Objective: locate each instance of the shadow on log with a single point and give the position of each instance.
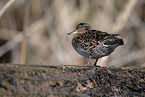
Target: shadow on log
(71, 80)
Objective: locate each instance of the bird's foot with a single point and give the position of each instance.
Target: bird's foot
(88, 63)
(95, 64)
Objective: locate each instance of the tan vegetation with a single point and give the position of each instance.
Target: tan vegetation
(35, 31)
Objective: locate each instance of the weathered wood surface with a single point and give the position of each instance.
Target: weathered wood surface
(70, 80)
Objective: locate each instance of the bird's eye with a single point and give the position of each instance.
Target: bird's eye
(80, 26)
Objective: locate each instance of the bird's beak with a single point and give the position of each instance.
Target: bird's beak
(73, 32)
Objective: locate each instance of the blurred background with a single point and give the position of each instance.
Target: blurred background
(35, 31)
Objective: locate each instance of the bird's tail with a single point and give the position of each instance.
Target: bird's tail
(121, 42)
(115, 34)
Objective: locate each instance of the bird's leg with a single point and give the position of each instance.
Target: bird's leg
(89, 60)
(95, 64)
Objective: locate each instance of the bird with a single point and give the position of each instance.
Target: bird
(92, 43)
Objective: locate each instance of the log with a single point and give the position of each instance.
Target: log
(70, 80)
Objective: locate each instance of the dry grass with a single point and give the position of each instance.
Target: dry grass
(38, 29)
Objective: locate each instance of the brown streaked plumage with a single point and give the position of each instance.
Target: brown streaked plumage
(94, 43)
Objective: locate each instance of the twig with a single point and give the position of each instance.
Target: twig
(136, 55)
(26, 22)
(35, 27)
(124, 15)
(6, 6)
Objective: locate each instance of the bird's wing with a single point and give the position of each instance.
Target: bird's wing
(97, 35)
(115, 34)
(111, 40)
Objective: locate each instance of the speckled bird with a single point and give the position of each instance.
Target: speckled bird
(94, 44)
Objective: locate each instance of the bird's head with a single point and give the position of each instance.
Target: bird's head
(81, 28)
